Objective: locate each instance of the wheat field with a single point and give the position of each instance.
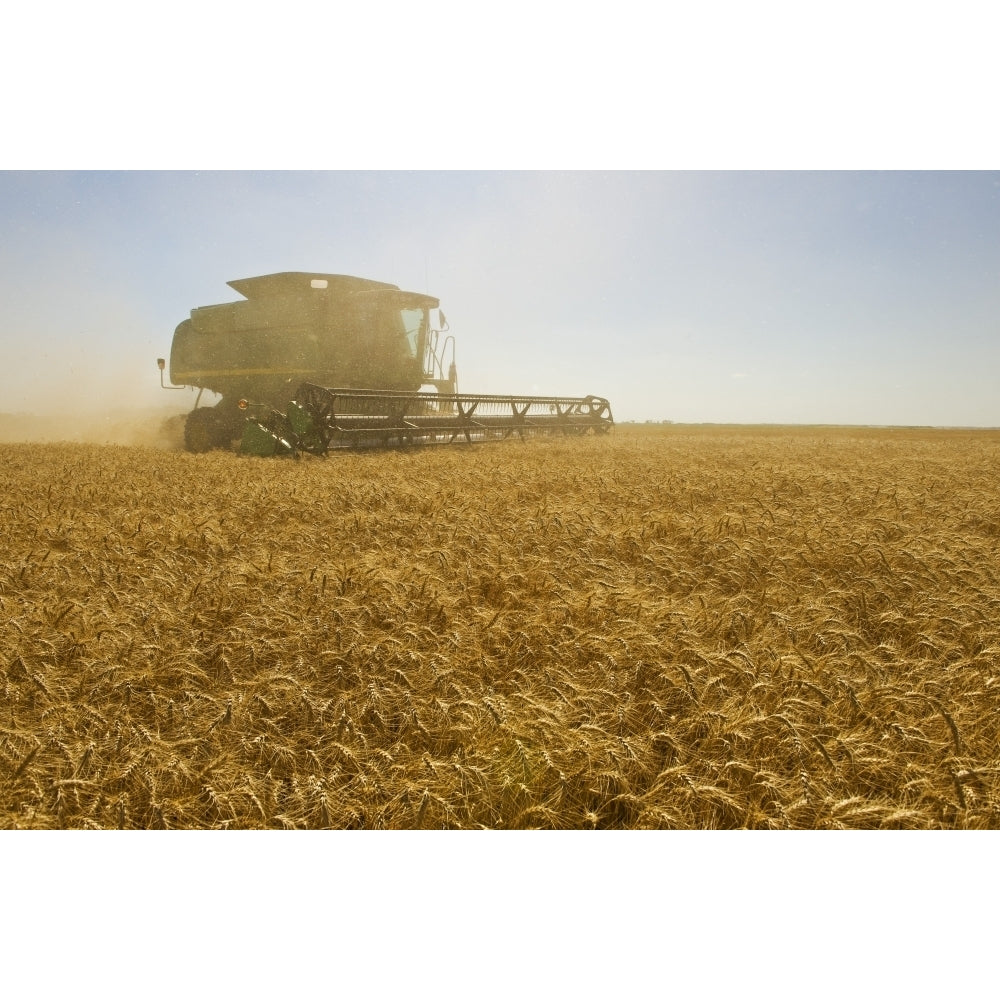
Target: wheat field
(668, 627)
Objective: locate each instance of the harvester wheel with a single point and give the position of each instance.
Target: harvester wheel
(203, 430)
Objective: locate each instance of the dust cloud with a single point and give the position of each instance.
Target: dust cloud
(153, 428)
(94, 397)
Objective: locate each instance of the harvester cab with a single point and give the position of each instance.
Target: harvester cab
(386, 352)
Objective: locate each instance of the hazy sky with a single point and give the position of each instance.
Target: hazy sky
(832, 297)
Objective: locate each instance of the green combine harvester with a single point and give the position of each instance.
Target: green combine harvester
(273, 358)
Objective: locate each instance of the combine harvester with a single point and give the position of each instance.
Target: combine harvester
(272, 358)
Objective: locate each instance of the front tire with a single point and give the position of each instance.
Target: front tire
(203, 431)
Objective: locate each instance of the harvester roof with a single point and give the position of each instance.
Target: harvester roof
(290, 282)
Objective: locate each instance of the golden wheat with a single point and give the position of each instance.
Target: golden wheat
(669, 627)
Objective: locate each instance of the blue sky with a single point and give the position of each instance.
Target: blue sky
(733, 296)
(778, 259)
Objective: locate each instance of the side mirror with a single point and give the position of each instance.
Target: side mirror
(161, 363)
